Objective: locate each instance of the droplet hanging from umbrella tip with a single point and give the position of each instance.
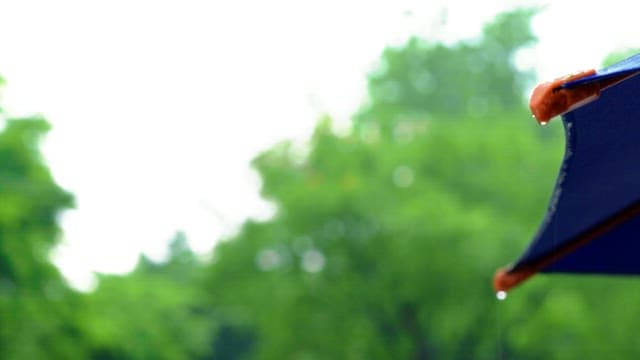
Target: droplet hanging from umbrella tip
(501, 295)
(543, 123)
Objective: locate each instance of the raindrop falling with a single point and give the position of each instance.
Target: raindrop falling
(501, 295)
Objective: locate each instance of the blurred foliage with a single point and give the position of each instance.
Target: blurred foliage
(155, 312)
(383, 245)
(471, 78)
(36, 307)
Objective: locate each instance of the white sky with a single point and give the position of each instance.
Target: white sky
(158, 106)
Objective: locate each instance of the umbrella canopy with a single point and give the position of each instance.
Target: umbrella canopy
(592, 224)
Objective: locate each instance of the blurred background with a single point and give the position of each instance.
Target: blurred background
(199, 180)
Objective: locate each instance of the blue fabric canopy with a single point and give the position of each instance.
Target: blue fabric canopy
(592, 223)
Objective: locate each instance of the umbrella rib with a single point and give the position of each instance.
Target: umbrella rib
(507, 278)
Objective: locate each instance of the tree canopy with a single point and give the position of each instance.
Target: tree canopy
(36, 306)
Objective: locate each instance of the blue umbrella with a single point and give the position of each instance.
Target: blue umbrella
(592, 224)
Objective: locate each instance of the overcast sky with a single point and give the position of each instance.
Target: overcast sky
(158, 106)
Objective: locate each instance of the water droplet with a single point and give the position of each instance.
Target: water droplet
(543, 123)
(501, 295)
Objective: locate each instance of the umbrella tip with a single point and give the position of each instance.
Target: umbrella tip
(506, 279)
(550, 99)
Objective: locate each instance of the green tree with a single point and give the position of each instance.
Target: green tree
(385, 247)
(36, 306)
(155, 312)
(468, 78)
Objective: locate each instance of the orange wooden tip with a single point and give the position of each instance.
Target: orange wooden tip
(505, 280)
(550, 99)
